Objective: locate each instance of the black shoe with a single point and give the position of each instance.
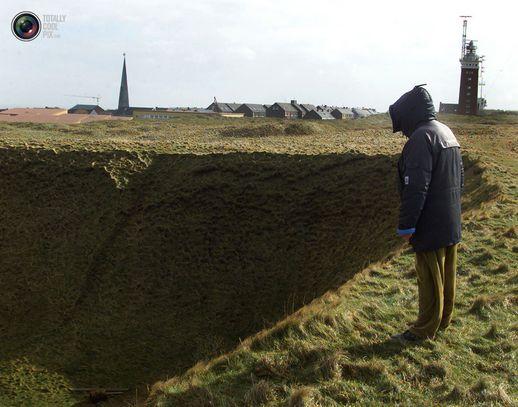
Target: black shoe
(406, 336)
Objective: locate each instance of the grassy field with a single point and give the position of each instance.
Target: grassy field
(244, 262)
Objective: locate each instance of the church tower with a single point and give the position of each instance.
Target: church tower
(123, 94)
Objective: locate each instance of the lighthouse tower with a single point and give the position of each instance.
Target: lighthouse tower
(468, 95)
(471, 79)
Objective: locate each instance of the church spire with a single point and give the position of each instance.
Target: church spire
(123, 95)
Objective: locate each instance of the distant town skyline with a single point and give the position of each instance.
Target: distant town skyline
(255, 51)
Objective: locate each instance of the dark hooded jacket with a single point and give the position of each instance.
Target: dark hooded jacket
(431, 175)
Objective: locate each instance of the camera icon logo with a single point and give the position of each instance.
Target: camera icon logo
(26, 26)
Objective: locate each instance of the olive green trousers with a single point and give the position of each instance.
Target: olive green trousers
(436, 285)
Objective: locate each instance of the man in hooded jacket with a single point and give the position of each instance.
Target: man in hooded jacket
(431, 179)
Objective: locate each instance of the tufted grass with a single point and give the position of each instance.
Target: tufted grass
(132, 251)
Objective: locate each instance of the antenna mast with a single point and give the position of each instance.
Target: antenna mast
(464, 35)
(481, 83)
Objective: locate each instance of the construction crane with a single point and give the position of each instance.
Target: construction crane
(97, 98)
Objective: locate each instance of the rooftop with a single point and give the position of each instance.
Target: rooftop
(86, 107)
(255, 107)
(43, 115)
(287, 107)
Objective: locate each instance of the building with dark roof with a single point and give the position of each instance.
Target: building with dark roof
(252, 110)
(318, 115)
(342, 113)
(301, 111)
(220, 107)
(234, 106)
(86, 109)
(303, 108)
(283, 111)
(326, 108)
(307, 107)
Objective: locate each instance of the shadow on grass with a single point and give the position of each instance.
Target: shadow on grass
(384, 349)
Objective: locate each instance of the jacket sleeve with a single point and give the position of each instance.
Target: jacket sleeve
(417, 163)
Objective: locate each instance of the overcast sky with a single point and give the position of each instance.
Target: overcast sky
(183, 53)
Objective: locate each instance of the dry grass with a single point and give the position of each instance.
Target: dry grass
(301, 128)
(260, 394)
(330, 367)
(304, 397)
(434, 370)
(511, 233)
(263, 130)
(483, 303)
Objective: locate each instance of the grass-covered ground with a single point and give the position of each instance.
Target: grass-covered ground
(130, 251)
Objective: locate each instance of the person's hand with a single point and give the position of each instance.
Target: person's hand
(407, 237)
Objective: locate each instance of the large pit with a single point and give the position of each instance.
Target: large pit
(119, 269)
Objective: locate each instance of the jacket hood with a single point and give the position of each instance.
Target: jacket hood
(411, 109)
